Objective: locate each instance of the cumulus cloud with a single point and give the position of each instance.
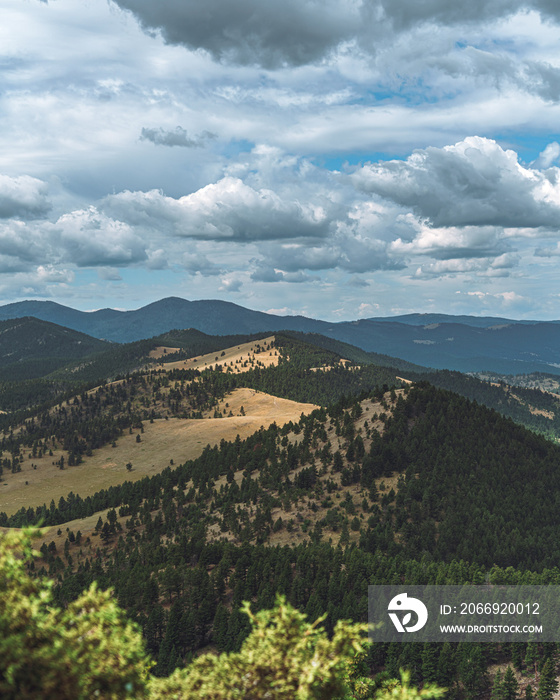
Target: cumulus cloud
(343, 251)
(24, 197)
(452, 242)
(89, 238)
(228, 210)
(24, 242)
(178, 137)
(265, 273)
(473, 183)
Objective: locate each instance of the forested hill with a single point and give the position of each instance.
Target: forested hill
(422, 471)
(385, 481)
(417, 485)
(533, 408)
(32, 348)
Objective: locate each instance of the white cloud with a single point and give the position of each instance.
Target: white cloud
(91, 104)
(23, 197)
(473, 183)
(481, 267)
(548, 156)
(230, 284)
(89, 238)
(227, 210)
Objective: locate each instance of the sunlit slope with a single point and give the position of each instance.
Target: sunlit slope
(160, 442)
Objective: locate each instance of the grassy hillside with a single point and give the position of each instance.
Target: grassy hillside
(278, 466)
(396, 485)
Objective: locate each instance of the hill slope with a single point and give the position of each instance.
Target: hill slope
(409, 484)
(30, 348)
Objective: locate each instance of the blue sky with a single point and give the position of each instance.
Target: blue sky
(340, 159)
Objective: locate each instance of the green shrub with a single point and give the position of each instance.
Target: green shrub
(90, 650)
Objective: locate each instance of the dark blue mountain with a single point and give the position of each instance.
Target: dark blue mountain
(464, 343)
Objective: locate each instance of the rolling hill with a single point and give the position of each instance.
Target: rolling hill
(276, 465)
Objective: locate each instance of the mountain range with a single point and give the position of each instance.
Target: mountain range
(464, 343)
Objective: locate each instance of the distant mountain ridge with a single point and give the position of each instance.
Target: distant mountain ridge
(464, 343)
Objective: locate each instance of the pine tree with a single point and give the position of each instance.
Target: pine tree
(517, 649)
(498, 687)
(548, 685)
(532, 657)
(430, 654)
(510, 685)
(472, 669)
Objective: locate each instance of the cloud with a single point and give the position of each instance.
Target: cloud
(481, 267)
(230, 284)
(507, 298)
(495, 67)
(23, 242)
(24, 197)
(365, 309)
(264, 273)
(299, 32)
(89, 238)
(228, 210)
(358, 282)
(548, 156)
(109, 274)
(179, 137)
(473, 183)
(198, 263)
(10, 264)
(452, 242)
(549, 252)
(262, 32)
(40, 281)
(344, 251)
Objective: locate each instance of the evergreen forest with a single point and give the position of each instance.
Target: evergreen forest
(392, 474)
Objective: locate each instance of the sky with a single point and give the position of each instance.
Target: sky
(340, 159)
